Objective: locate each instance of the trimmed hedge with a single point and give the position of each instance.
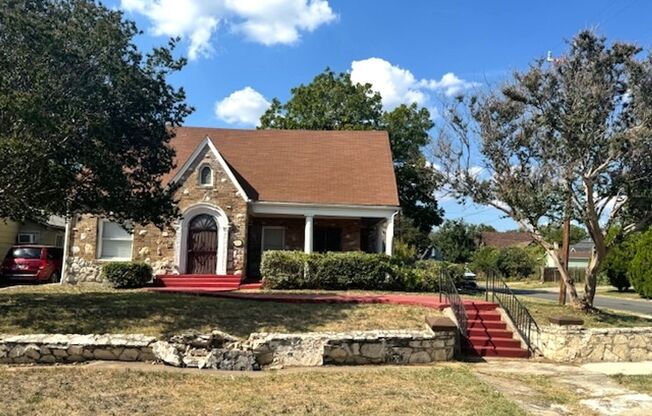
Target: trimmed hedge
(125, 275)
(351, 270)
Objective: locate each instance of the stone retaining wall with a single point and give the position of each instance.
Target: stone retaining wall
(350, 348)
(582, 345)
(59, 348)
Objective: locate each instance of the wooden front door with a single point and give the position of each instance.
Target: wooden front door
(202, 245)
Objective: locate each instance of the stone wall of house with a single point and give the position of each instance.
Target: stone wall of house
(352, 348)
(60, 348)
(581, 345)
(158, 247)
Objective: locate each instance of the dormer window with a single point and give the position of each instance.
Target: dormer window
(206, 176)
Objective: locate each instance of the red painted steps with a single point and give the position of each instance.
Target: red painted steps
(488, 335)
(198, 282)
(202, 283)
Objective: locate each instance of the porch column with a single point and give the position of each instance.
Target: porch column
(307, 235)
(379, 237)
(389, 235)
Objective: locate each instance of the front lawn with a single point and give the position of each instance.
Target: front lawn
(97, 309)
(541, 310)
(447, 389)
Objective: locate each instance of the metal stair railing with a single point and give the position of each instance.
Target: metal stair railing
(448, 290)
(525, 324)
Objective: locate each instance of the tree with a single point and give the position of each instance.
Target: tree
(85, 116)
(616, 264)
(332, 102)
(515, 262)
(554, 232)
(485, 260)
(640, 268)
(575, 134)
(456, 240)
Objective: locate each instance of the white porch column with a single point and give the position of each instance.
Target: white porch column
(307, 235)
(389, 235)
(380, 239)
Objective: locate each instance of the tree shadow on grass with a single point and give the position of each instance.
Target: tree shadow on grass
(161, 314)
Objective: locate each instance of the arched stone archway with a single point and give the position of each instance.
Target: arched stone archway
(197, 213)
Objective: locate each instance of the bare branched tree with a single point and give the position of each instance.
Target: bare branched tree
(567, 138)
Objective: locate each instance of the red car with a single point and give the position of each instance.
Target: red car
(33, 263)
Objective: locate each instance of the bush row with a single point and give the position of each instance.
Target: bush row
(351, 270)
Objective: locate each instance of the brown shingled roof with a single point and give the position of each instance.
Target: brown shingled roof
(323, 167)
(505, 239)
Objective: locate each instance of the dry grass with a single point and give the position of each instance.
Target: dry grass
(97, 309)
(640, 383)
(71, 391)
(541, 310)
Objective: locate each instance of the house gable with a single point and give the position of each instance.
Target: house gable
(197, 156)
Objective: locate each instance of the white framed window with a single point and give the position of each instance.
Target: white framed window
(114, 241)
(273, 238)
(205, 175)
(27, 238)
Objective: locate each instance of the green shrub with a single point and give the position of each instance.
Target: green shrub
(351, 270)
(616, 264)
(515, 262)
(123, 275)
(285, 269)
(640, 268)
(485, 260)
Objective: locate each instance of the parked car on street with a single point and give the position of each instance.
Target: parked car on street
(33, 263)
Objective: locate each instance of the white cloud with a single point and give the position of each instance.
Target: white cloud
(449, 83)
(268, 22)
(244, 106)
(399, 86)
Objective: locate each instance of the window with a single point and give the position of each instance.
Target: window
(273, 238)
(206, 176)
(114, 242)
(27, 238)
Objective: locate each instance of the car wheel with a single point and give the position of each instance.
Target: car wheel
(54, 277)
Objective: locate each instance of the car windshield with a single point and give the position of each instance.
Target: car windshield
(24, 253)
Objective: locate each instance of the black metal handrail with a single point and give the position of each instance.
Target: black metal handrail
(525, 324)
(448, 290)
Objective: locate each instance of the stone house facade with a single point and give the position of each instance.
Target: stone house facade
(241, 192)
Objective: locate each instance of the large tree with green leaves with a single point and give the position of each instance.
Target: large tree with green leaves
(85, 116)
(571, 138)
(332, 102)
(456, 240)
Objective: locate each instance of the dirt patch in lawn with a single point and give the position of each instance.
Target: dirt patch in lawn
(97, 309)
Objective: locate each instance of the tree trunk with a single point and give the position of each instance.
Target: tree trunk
(575, 301)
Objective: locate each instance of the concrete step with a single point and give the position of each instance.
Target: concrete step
(480, 324)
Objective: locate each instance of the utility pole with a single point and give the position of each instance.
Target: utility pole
(565, 252)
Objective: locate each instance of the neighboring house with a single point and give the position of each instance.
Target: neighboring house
(50, 233)
(578, 257)
(242, 192)
(496, 239)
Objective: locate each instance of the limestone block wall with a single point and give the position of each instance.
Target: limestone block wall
(581, 345)
(350, 348)
(61, 348)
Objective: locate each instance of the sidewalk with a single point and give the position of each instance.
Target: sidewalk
(589, 386)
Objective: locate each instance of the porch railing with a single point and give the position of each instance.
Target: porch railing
(525, 324)
(448, 291)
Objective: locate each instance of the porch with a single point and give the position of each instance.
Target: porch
(318, 229)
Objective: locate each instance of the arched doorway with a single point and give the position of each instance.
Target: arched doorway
(202, 245)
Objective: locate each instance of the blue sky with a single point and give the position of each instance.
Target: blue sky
(245, 52)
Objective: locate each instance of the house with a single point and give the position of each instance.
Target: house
(499, 240)
(579, 255)
(242, 192)
(50, 232)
